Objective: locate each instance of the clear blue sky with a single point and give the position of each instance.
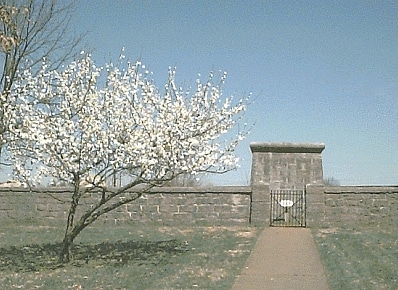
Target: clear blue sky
(320, 71)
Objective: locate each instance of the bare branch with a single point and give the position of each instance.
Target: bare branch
(30, 31)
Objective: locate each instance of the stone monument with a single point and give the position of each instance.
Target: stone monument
(282, 166)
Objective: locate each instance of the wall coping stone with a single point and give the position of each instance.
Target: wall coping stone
(287, 147)
(166, 190)
(360, 189)
(210, 189)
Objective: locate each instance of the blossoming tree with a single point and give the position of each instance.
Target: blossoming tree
(87, 123)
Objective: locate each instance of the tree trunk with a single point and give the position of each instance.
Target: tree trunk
(71, 230)
(65, 254)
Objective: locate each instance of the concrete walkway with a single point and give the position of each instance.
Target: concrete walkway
(283, 258)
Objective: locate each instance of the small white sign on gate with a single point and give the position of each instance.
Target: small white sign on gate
(286, 203)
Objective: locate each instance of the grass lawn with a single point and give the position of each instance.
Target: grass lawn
(125, 256)
(360, 256)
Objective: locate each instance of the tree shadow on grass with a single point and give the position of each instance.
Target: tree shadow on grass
(31, 258)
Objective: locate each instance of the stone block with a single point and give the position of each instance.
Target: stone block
(207, 208)
(183, 218)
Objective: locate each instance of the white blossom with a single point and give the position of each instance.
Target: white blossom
(89, 121)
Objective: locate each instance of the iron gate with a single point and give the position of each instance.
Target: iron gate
(288, 208)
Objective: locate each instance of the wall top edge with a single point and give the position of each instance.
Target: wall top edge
(188, 190)
(361, 189)
(287, 147)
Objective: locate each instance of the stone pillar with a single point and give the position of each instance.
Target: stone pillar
(315, 198)
(260, 205)
(281, 166)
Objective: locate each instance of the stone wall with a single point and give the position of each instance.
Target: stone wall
(326, 206)
(348, 205)
(216, 205)
(362, 204)
(274, 166)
